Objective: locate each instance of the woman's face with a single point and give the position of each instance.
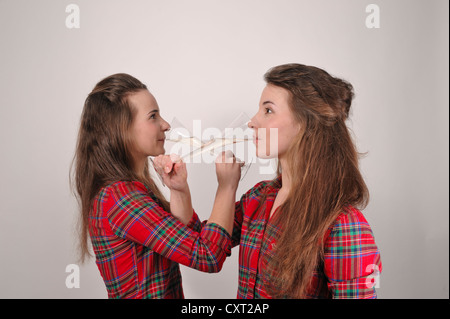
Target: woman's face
(274, 124)
(148, 127)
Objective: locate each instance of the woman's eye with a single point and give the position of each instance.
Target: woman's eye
(268, 111)
(153, 116)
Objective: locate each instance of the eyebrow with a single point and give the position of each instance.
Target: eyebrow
(153, 111)
(268, 102)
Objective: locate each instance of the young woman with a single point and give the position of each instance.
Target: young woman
(138, 237)
(301, 235)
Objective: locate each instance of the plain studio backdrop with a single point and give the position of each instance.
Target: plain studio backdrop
(205, 60)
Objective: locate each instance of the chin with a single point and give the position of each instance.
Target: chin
(262, 153)
(161, 151)
(265, 156)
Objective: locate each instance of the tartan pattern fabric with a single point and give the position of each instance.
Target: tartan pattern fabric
(351, 260)
(138, 246)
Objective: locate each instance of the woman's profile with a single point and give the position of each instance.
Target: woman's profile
(302, 234)
(138, 237)
(308, 238)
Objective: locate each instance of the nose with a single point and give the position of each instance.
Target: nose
(165, 126)
(252, 123)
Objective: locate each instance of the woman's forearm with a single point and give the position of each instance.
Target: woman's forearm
(223, 209)
(181, 205)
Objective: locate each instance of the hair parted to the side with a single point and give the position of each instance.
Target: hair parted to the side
(323, 163)
(103, 147)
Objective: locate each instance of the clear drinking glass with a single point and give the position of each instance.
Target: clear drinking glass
(239, 132)
(236, 132)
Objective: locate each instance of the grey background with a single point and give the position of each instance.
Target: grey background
(204, 59)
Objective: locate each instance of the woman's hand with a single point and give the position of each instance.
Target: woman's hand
(174, 174)
(172, 171)
(228, 170)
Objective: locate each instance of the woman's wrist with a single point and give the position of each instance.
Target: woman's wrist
(181, 204)
(227, 188)
(223, 208)
(182, 190)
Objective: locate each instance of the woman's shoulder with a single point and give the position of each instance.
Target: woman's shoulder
(121, 188)
(350, 221)
(351, 215)
(119, 193)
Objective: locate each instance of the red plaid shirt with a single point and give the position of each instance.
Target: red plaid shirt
(138, 245)
(351, 261)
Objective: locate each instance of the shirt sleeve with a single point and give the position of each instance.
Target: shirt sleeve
(352, 261)
(135, 216)
(195, 223)
(246, 205)
(237, 224)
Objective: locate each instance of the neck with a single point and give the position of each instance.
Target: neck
(139, 166)
(287, 178)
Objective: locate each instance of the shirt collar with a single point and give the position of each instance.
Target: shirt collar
(274, 185)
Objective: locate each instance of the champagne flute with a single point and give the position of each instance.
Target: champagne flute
(236, 132)
(179, 134)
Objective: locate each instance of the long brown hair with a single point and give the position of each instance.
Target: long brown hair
(102, 153)
(323, 163)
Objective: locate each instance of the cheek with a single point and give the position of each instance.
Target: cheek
(268, 143)
(287, 136)
(278, 140)
(145, 138)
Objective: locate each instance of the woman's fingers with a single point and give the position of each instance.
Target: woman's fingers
(226, 157)
(228, 169)
(163, 163)
(167, 163)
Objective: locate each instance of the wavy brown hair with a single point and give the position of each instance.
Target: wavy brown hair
(102, 153)
(323, 163)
